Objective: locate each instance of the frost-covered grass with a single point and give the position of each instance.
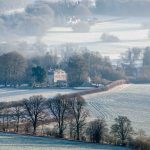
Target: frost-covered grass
(132, 101)
(18, 142)
(7, 95)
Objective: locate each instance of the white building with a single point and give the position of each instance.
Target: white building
(60, 76)
(57, 78)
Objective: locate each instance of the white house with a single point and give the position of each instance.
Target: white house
(57, 77)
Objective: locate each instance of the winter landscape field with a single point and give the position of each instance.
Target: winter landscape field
(16, 142)
(127, 100)
(75, 45)
(7, 95)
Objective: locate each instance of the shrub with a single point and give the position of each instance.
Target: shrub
(109, 38)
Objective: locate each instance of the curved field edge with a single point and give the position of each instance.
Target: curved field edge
(130, 100)
(20, 142)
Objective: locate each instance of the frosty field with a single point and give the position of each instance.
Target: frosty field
(16, 142)
(7, 95)
(132, 101)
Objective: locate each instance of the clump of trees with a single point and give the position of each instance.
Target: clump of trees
(29, 114)
(89, 64)
(97, 131)
(135, 63)
(12, 68)
(109, 38)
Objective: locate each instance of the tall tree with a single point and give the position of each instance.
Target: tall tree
(39, 74)
(77, 70)
(122, 129)
(58, 107)
(34, 107)
(17, 114)
(77, 107)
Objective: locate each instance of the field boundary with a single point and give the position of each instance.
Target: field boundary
(103, 89)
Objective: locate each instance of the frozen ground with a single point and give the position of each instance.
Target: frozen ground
(132, 101)
(16, 142)
(7, 95)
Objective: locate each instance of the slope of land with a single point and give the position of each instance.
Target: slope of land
(18, 142)
(7, 95)
(132, 101)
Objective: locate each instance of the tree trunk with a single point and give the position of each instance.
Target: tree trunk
(34, 128)
(78, 132)
(17, 126)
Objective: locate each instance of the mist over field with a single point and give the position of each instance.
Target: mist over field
(49, 22)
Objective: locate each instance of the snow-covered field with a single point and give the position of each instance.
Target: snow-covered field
(16, 142)
(7, 95)
(132, 101)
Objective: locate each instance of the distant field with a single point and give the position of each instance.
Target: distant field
(132, 101)
(15, 142)
(7, 95)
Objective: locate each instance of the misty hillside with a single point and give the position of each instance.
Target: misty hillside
(38, 17)
(13, 4)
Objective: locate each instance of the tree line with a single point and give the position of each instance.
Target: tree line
(136, 64)
(16, 69)
(81, 65)
(68, 116)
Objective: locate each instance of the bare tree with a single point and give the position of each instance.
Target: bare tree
(34, 107)
(77, 107)
(58, 107)
(17, 114)
(2, 117)
(122, 129)
(5, 117)
(97, 130)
